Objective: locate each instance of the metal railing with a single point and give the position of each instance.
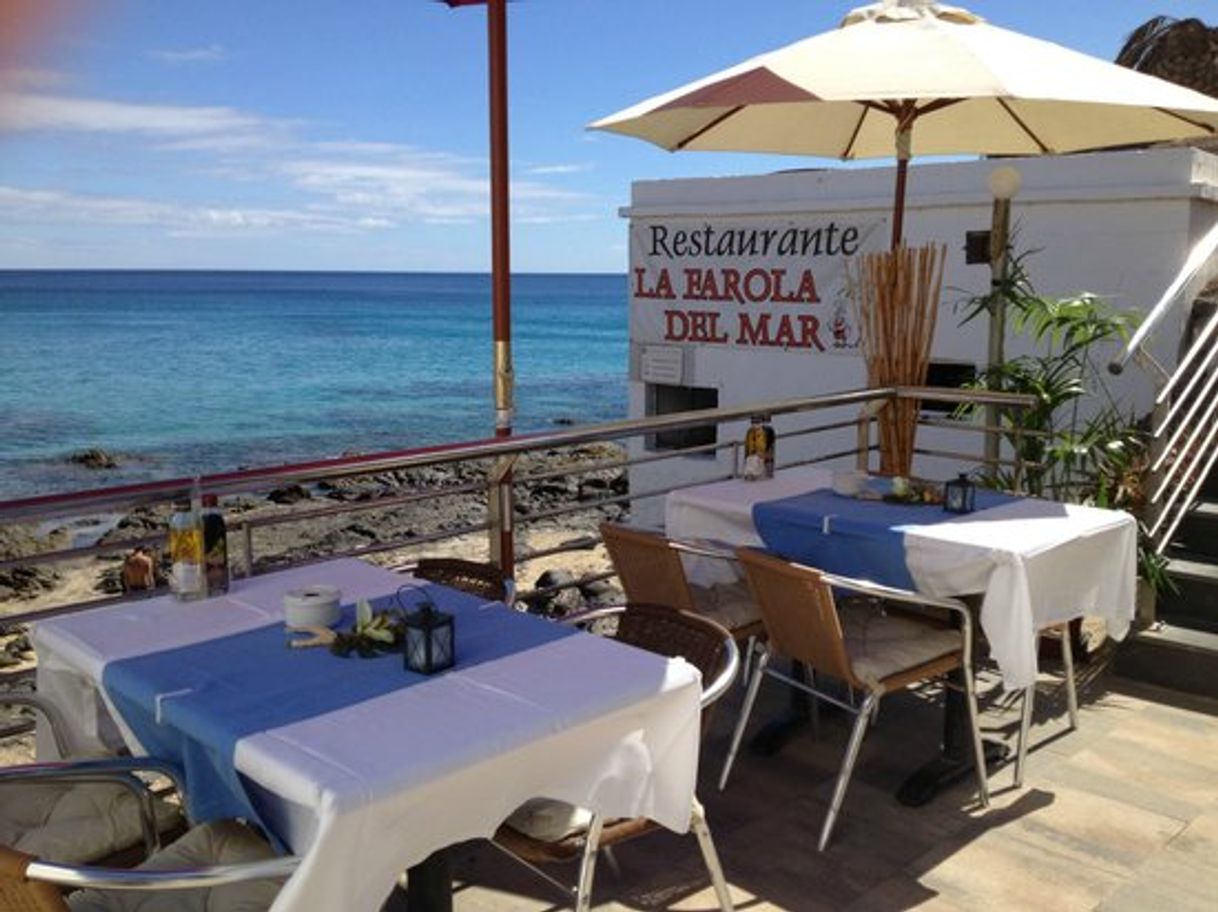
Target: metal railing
(1185, 415)
(1184, 435)
(1179, 292)
(496, 486)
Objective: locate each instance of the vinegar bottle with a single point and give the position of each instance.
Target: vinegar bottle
(186, 579)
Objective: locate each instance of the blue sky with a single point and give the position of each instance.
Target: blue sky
(320, 134)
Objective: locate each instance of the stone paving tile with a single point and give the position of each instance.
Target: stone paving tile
(1155, 780)
(1096, 831)
(1169, 882)
(1121, 815)
(998, 872)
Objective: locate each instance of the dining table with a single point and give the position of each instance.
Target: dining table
(1025, 563)
(359, 766)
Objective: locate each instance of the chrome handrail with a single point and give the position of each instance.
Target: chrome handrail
(1175, 293)
(131, 496)
(51, 506)
(1185, 442)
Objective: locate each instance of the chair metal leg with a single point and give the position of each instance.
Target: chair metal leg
(750, 650)
(843, 776)
(1068, 667)
(587, 865)
(974, 719)
(750, 698)
(1025, 724)
(698, 824)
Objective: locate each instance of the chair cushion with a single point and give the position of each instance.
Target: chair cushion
(74, 822)
(548, 820)
(881, 644)
(731, 604)
(222, 842)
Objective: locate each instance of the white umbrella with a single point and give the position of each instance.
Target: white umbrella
(938, 77)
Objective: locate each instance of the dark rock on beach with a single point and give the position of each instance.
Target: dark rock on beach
(26, 582)
(289, 494)
(93, 458)
(560, 603)
(20, 583)
(141, 521)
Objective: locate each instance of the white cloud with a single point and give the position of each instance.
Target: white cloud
(27, 112)
(559, 169)
(339, 186)
(43, 206)
(209, 54)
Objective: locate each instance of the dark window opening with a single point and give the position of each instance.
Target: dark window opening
(665, 400)
(949, 375)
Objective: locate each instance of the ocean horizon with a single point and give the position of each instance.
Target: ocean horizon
(183, 372)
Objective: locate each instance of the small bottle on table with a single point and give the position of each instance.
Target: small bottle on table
(215, 546)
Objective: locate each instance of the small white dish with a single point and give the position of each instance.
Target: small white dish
(312, 606)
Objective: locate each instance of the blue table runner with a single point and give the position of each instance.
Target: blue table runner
(851, 537)
(191, 705)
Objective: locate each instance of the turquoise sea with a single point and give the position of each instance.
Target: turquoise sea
(179, 373)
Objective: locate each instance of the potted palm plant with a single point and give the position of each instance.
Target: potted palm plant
(1097, 455)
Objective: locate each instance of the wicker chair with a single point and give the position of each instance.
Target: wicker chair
(483, 580)
(236, 867)
(85, 811)
(544, 831)
(860, 643)
(650, 570)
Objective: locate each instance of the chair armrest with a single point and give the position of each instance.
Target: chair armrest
(704, 547)
(49, 712)
(905, 597)
(114, 771)
(94, 878)
(591, 614)
(111, 769)
(711, 690)
(867, 587)
(718, 687)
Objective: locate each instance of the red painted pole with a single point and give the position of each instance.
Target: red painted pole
(501, 278)
(501, 293)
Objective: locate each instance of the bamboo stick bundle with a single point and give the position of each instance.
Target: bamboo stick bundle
(898, 302)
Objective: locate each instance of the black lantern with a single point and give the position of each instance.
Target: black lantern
(960, 495)
(430, 644)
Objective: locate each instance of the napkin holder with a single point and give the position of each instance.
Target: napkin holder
(312, 606)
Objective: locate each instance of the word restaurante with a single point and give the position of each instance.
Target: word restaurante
(826, 240)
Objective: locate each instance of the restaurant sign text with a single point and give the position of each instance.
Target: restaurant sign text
(745, 282)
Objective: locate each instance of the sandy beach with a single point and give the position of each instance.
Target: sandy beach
(96, 577)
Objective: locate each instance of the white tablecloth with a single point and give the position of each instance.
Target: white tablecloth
(364, 792)
(1035, 562)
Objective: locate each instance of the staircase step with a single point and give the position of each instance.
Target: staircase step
(1195, 604)
(1198, 533)
(1173, 657)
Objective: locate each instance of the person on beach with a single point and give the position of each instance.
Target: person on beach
(139, 571)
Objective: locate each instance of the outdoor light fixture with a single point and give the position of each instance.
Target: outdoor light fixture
(960, 495)
(1004, 182)
(430, 645)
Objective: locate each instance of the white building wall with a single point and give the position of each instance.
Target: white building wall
(1119, 225)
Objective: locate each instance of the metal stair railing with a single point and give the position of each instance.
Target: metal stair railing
(1185, 416)
(1184, 436)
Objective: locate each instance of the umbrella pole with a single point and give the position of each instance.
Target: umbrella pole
(501, 508)
(905, 119)
(898, 203)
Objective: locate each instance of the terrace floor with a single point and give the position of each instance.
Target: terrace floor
(1121, 814)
